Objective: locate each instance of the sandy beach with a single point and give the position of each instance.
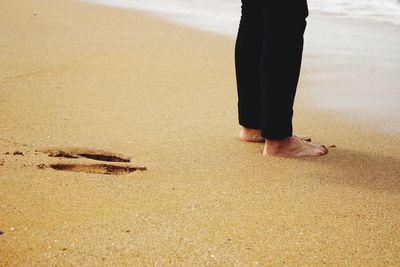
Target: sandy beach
(143, 113)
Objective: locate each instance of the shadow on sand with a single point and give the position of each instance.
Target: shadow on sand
(374, 172)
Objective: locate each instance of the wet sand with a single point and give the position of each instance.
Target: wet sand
(351, 66)
(99, 84)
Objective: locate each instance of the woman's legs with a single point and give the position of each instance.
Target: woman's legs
(268, 56)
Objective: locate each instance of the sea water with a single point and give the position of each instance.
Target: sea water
(223, 15)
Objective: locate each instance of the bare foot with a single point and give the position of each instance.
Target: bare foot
(251, 135)
(254, 135)
(293, 146)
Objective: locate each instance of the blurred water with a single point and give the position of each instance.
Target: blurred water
(385, 10)
(220, 16)
(223, 15)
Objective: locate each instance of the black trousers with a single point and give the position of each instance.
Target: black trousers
(268, 55)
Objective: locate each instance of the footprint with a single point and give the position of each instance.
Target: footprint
(98, 155)
(97, 168)
(85, 153)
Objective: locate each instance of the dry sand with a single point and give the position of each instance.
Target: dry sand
(82, 78)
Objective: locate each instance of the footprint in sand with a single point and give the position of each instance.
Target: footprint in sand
(97, 168)
(85, 153)
(97, 155)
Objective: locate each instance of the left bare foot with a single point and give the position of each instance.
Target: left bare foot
(254, 135)
(251, 135)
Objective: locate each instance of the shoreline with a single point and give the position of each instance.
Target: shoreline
(80, 77)
(363, 58)
(184, 12)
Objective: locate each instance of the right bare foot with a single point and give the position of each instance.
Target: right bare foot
(293, 146)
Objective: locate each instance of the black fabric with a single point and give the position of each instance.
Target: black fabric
(268, 55)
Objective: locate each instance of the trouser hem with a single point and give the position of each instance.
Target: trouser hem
(276, 136)
(250, 125)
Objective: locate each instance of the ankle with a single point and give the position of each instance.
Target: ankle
(250, 131)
